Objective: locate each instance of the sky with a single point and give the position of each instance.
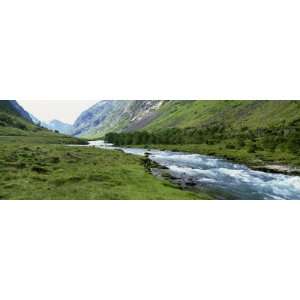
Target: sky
(63, 110)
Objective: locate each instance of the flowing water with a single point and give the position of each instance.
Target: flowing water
(218, 177)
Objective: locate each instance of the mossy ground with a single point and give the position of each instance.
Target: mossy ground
(38, 169)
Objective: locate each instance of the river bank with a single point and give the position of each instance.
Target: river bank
(266, 161)
(217, 177)
(42, 171)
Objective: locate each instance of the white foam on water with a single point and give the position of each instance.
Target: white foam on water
(191, 159)
(229, 177)
(183, 170)
(209, 180)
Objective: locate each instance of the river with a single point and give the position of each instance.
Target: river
(219, 178)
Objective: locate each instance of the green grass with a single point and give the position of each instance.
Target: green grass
(49, 171)
(36, 163)
(236, 114)
(42, 139)
(202, 113)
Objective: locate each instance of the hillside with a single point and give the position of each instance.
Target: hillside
(12, 107)
(117, 116)
(36, 163)
(13, 119)
(16, 122)
(236, 114)
(250, 132)
(130, 116)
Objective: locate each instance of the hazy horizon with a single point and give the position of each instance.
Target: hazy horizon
(66, 111)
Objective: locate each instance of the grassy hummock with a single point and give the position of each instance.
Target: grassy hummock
(51, 171)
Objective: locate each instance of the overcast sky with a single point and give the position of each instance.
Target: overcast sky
(64, 110)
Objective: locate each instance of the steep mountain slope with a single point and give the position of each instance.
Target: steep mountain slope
(234, 114)
(14, 119)
(12, 107)
(118, 115)
(128, 116)
(16, 125)
(23, 113)
(249, 132)
(102, 116)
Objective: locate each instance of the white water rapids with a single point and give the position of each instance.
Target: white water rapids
(218, 177)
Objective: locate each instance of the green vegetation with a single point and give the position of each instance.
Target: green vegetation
(36, 163)
(234, 114)
(47, 171)
(196, 114)
(252, 140)
(15, 128)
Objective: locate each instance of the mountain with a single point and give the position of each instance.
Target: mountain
(101, 118)
(54, 125)
(59, 126)
(13, 118)
(233, 114)
(20, 110)
(128, 116)
(13, 108)
(35, 120)
(249, 132)
(17, 125)
(115, 115)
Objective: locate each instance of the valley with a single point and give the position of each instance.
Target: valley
(55, 162)
(36, 163)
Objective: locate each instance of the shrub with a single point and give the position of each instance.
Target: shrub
(230, 146)
(252, 148)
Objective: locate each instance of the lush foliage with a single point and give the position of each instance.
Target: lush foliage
(285, 137)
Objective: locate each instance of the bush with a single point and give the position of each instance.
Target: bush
(230, 146)
(241, 143)
(269, 143)
(293, 143)
(252, 148)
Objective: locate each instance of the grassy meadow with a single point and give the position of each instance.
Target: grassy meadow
(36, 163)
(43, 168)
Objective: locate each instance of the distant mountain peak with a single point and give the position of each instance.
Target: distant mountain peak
(60, 126)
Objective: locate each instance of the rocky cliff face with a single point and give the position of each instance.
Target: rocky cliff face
(115, 115)
(142, 113)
